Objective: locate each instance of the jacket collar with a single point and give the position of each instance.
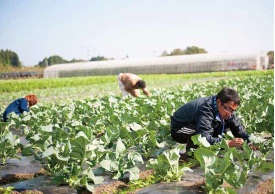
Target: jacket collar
(217, 114)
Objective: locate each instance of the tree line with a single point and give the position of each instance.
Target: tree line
(270, 55)
(56, 60)
(188, 51)
(10, 58)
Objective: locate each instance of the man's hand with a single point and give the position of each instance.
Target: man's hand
(235, 142)
(135, 93)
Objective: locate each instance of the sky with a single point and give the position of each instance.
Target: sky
(83, 29)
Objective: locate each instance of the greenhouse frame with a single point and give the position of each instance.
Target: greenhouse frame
(161, 65)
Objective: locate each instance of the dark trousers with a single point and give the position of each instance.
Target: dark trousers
(183, 134)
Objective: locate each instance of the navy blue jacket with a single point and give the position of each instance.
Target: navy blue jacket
(204, 114)
(18, 106)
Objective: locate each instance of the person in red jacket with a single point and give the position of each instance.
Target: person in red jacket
(20, 105)
(130, 84)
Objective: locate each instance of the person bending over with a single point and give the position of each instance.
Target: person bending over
(209, 117)
(20, 105)
(131, 83)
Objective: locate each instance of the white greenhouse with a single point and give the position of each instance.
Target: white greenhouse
(158, 65)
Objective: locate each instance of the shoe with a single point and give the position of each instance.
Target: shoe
(185, 157)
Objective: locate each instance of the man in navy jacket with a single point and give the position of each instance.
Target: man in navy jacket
(209, 117)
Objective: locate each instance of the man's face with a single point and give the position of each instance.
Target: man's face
(226, 109)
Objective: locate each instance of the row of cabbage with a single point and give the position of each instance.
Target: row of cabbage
(7, 86)
(54, 90)
(79, 141)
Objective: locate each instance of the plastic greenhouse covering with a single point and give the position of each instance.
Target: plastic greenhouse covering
(157, 65)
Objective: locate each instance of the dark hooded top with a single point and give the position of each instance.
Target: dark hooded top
(204, 113)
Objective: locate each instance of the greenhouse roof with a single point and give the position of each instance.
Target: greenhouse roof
(167, 60)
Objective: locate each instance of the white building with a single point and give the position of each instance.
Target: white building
(158, 65)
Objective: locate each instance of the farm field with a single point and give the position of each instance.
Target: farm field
(60, 89)
(81, 134)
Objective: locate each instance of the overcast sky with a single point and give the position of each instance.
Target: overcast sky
(82, 29)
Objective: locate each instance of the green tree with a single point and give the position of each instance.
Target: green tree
(270, 55)
(177, 52)
(43, 63)
(15, 60)
(55, 59)
(98, 58)
(76, 60)
(188, 51)
(9, 58)
(194, 50)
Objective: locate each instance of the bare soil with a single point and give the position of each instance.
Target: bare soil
(11, 178)
(109, 188)
(265, 187)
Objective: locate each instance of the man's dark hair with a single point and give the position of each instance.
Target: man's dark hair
(140, 84)
(228, 94)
